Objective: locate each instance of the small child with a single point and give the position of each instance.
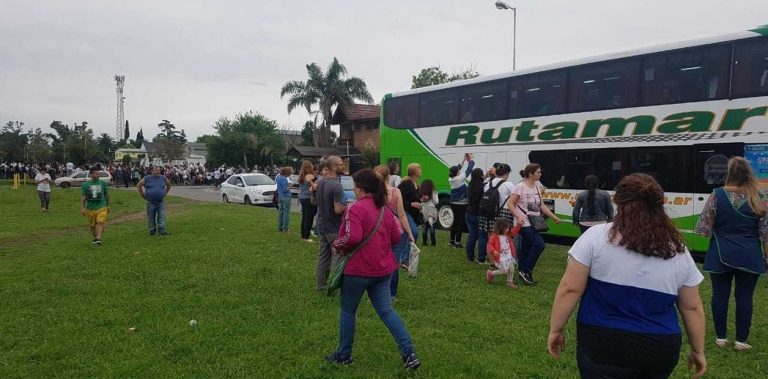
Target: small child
(501, 247)
(429, 202)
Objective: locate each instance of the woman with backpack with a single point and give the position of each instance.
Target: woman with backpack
(528, 204)
(457, 177)
(593, 206)
(494, 203)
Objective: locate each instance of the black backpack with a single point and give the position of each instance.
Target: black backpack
(489, 202)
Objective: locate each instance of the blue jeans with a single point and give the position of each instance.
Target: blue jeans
(396, 248)
(352, 288)
(284, 212)
(530, 250)
(744, 293)
(473, 230)
(405, 250)
(156, 217)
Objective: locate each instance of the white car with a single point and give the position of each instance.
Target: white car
(248, 189)
(79, 178)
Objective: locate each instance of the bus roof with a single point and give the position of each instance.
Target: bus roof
(762, 30)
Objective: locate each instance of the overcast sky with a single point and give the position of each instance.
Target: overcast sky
(193, 61)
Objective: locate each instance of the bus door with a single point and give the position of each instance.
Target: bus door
(710, 167)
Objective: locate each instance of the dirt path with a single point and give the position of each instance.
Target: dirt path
(31, 238)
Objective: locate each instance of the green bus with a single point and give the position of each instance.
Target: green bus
(675, 111)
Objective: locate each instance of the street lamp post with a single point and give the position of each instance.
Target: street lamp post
(504, 6)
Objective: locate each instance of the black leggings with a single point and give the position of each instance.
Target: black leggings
(459, 210)
(308, 212)
(609, 353)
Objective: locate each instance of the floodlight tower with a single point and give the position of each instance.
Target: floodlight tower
(120, 122)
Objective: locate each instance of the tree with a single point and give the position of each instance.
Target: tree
(434, 75)
(13, 142)
(139, 139)
(247, 139)
(39, 150)
(322, 92)
(170, 141)
(308, 134)
(106, 145)
(370, 155)
(127, 133)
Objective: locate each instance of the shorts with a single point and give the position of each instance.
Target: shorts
(98, 216)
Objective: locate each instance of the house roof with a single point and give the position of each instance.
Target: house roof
(317, 152)
(356, 112)
(150, 147)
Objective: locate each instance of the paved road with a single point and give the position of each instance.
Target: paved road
(206, 193)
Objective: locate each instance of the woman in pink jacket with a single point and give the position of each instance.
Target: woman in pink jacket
(370, 268)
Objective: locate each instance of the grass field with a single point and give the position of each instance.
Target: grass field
(66, 306)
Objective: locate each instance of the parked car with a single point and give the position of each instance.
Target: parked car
(294, 186)
(248, 189)
(349, 189)
(77, 179)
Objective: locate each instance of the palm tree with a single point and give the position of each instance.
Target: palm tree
(325, 91)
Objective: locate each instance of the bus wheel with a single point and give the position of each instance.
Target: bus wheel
(444, 215)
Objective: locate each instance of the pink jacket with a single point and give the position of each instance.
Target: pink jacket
(375, 259)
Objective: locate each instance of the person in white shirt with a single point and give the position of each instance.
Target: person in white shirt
(43, 181)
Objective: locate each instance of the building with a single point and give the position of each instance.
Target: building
(290, 138)
(149, 153)
(358, 125)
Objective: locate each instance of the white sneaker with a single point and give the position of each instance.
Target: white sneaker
(721, 342)
(310, 240)
(741, 346)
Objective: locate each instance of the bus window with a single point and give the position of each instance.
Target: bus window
(439, 108)
(685, 76)
(484, 102)
(750, 68)
(567, 168)
(537, 95)
(401, 112)
(604, 86)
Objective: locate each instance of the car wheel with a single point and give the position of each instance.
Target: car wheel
(224, 198)
(247, 200)
(445, 215)
(65, 185)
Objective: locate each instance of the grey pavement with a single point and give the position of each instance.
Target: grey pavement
(207, 193)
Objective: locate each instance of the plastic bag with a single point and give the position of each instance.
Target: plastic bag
(413, 260)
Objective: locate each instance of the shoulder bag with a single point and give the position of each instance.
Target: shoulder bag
(538, 222)
(338, 273)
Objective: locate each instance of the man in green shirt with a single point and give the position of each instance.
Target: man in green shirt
(94, 204)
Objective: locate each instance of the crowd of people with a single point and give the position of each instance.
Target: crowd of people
(630, 270)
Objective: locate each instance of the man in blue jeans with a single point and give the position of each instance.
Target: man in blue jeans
(153, 189)
(283, 182)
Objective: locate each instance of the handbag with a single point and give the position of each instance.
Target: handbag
(338, 273)
(538, 222)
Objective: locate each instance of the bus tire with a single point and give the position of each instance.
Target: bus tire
(444, 214)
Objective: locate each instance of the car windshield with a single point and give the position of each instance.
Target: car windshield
(257, 180)
(347, 183)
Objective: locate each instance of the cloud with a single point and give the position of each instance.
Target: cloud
(192, 62)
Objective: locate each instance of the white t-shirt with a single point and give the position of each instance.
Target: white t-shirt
(505, 190)
(630, 291)
(43, 186)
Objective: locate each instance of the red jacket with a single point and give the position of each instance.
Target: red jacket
(376, 258)
(494, 244)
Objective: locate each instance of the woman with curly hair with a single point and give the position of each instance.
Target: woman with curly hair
(629, 278)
